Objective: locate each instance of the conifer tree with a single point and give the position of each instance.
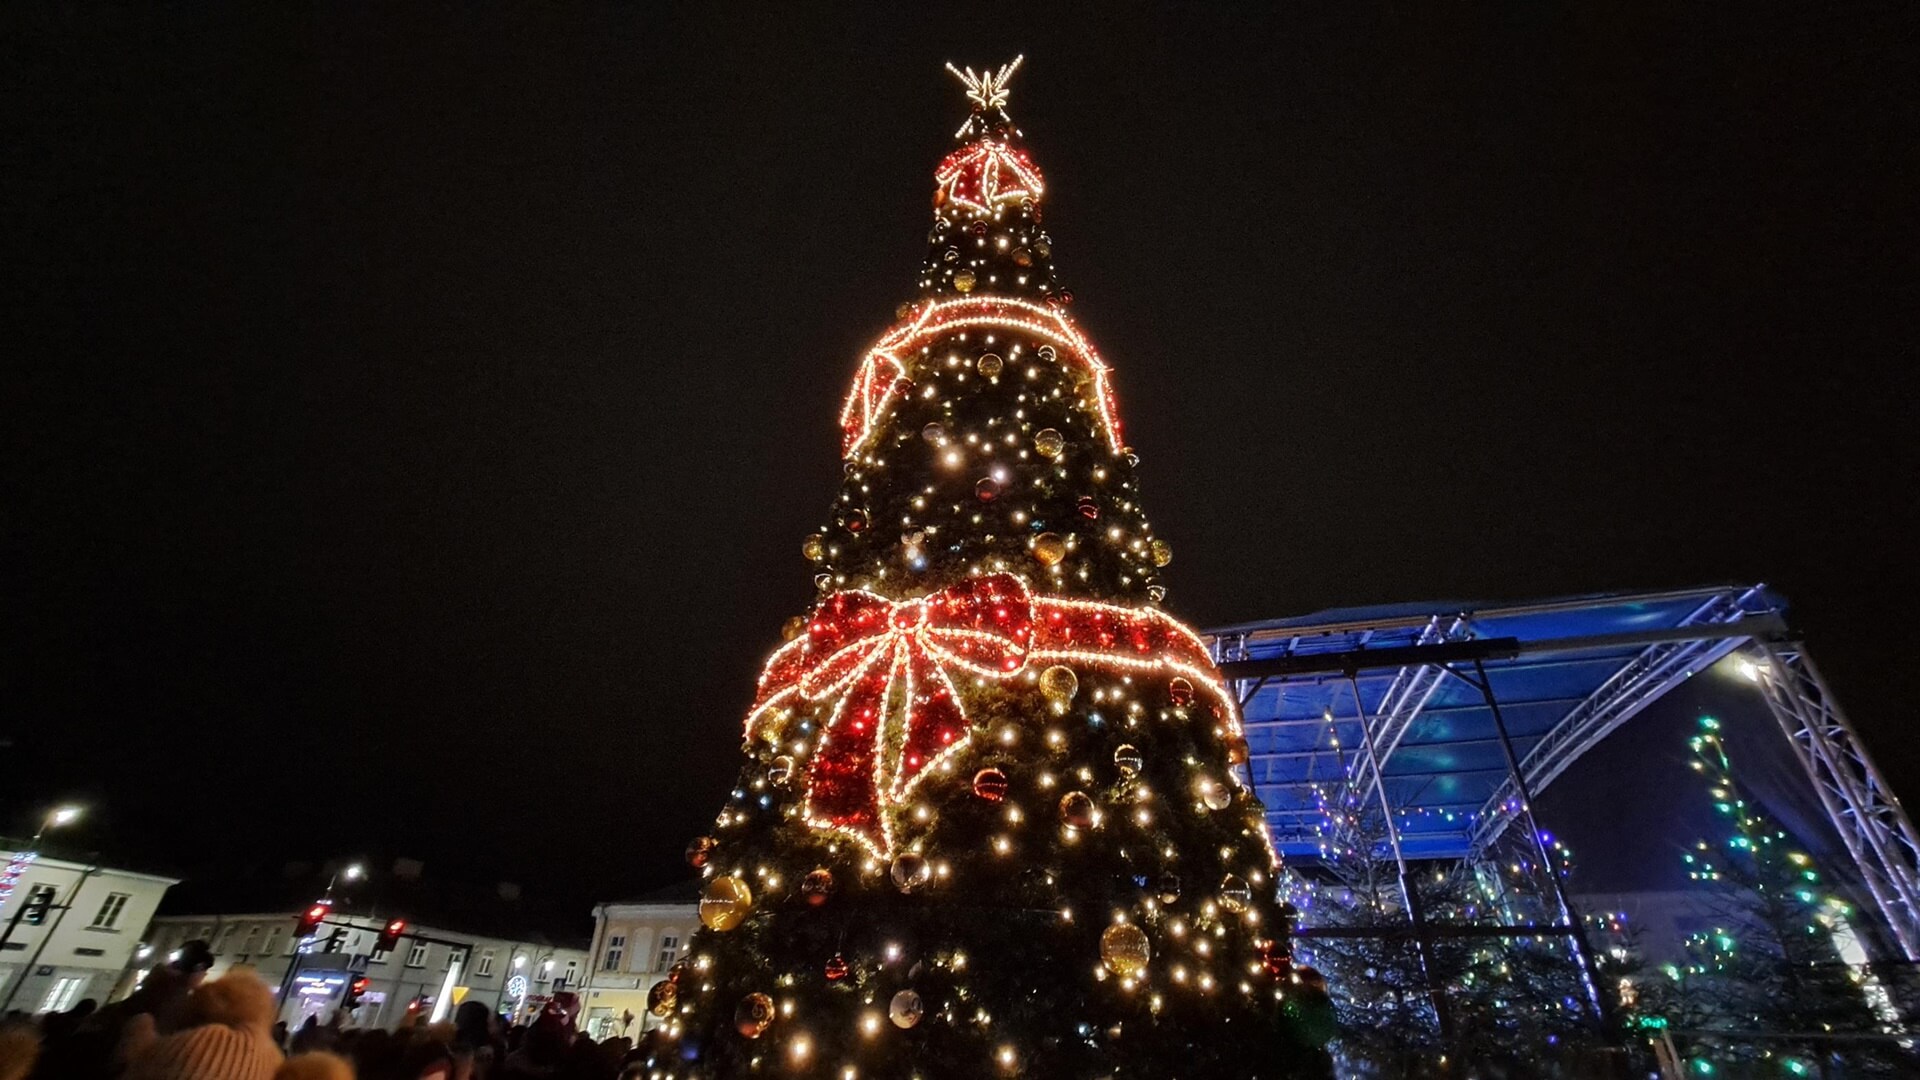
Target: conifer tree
(1769, 963)
(989, 821)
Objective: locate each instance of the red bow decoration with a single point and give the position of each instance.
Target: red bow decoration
(888, 663)
(861, 648)
(864, 651)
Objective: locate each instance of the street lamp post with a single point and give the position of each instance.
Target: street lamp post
(58, 816)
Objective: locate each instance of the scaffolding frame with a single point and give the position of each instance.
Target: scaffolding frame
(1423, 650)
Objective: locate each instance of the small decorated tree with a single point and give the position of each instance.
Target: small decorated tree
(989, 821)
(1770, 963)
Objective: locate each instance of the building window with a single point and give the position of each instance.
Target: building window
(40, 896)
(378, 956)
(484, 967)
(616, 947)
(226, 940)
(61, 997)
(266, 947)
(669, 944)
(109, 914)
(573, 969)
(417, 956)
(293, 944)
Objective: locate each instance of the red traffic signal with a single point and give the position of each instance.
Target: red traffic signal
(355, 989)
(309, 920)
(389, 938)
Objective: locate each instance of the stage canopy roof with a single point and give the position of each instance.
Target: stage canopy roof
(1563, 674)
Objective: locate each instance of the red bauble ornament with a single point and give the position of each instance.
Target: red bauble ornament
(699, 850)
(1088, 508)
(1181, 691)
(817, 886)
(987, 489)
(836, 967)
(990, 784)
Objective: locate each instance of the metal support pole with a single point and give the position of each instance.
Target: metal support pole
(1577, 937)
(1423, 943)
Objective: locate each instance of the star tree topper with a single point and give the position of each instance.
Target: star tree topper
(987, 90)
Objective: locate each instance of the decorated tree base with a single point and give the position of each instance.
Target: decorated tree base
(990, 821)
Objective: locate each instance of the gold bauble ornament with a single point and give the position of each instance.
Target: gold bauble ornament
(663, 997)
(1048, 443)
(793, 628)
(906, 1009)
(817, 886)
(699, 850)
(1216, 795)
(1235, 895)
(814, 548)
(725, 903)
(780, 769)
(990, 365)
(1237, 750)
(1168, 888)
(1124, 949)
(1059, 684)
(963, 281)
(1076, 810)
(910, 871)
(1049, 549)
(753, 1015)
(1162, 552)
(1127, 757)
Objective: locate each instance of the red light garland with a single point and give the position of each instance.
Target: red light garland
(883, 374)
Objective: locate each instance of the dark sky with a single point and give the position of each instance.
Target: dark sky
(411, 420)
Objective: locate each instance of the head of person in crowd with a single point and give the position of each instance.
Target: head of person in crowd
(226, 1035)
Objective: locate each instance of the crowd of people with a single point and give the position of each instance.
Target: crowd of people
(180, 1026)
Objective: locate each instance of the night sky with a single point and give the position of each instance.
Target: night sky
(411, 420)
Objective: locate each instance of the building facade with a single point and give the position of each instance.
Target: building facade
(635, 943)
(433, 968)
(89, 940)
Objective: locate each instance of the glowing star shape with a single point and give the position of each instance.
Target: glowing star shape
(896, 714)
(987, 89)
(882, 379)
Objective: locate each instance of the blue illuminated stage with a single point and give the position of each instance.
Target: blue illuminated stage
(1435, 724)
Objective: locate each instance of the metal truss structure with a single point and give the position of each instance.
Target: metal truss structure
(1434, 726)
(1877, 832)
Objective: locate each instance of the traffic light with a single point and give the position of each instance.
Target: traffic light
(355, 989)
(389, 938)
(34, 911)
(309, 921)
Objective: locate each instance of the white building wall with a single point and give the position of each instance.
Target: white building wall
(264, 941)
(90, 939)
(619, 987)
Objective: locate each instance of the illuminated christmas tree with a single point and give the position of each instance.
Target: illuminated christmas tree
(989, 821)
(1773, 960)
